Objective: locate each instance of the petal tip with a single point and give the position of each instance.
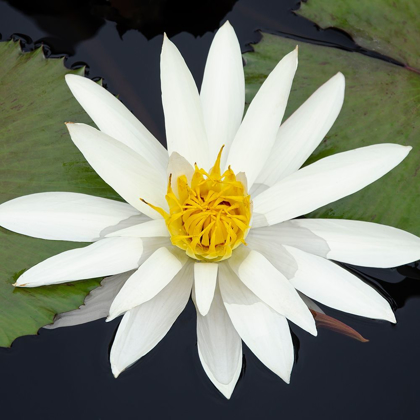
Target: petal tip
(166, 40)
(204, 311)
(227, 395)
(313, 330)
(110, 318)
(69, 78)
(341, 79)
(226, 24)
(116, 372)
(391, 317)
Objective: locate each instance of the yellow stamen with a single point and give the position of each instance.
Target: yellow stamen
(209, 218)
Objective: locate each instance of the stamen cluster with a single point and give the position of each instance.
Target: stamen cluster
(209, 218)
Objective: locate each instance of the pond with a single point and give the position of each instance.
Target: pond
(64, 373)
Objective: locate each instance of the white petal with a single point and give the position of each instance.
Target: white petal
(96, 304)
(103, 258)
(177, 167)
(272, 287)
(126, 223)
(184, 123)
(333, 286)
(219, 347)
(310, 303)
(274, 251)
(327, 180)
(263, 330)
(114, 119)
(256, 136)
(258, 220)
(363, 243)
(144, 326)
(300, 135)
(290, 233)
(129, 174)
(149, 229)
(162, 266)
(241, 177)
(223, 91)
(98, 301)
(205, 277)
(63, 216)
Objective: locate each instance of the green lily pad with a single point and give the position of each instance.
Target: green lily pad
(389, 27)
(382, 105)
(36, 155)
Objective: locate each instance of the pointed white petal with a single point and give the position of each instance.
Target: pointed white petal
(256, 136)
(149, 229)
(333, 286)
(310, 303)
(162, 266)
(63, 216)
(219, 346)
(300, 135)
(98, 301)
(272, 287)
(177, 167)
(363, 243)
(96, 304)
(126, 223)
(258, 220)
(143, 327)
(184, 123)
(257, 189)
(274, 251)
(263, 330)
(205, 277)
(327, 180)
(290, 233)
(103, 258)
(223, 91)
(241, 177)
(114, 119)
(129, 174)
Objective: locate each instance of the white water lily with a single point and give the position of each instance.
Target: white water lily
(212, 216)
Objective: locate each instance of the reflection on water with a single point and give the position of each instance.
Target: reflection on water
(65, 373)
(153, 17)
(69, 22)
(397, 284)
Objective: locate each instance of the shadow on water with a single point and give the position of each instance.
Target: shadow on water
(69, 22)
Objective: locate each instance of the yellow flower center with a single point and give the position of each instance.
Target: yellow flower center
(209, 218)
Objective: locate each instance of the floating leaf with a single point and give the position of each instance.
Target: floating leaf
(36, 155)
(382, 105)
(389, 27)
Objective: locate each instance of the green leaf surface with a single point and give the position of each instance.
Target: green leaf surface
(37, 155)
(382, 105)
(389, 27)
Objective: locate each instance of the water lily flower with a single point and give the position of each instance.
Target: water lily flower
(216, 215)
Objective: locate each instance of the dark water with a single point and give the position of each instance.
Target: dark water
(65, 374)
